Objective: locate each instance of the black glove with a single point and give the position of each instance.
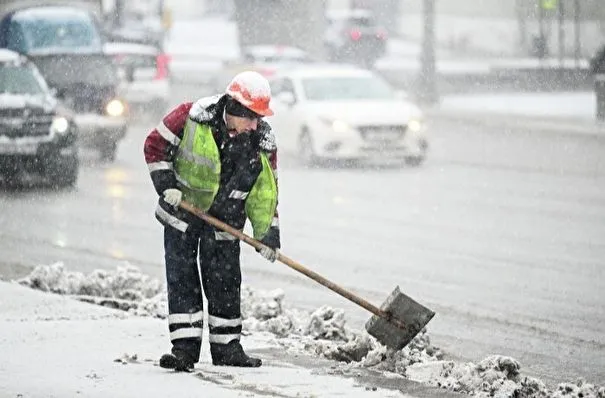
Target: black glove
(272, 239)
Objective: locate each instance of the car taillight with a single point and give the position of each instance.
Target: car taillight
(266, 72)
(355, 34)
(382, 34)
(162, 70)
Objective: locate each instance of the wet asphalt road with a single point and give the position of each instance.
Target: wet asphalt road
(501, 232)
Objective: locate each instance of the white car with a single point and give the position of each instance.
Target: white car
(144, 73)
(345, 113)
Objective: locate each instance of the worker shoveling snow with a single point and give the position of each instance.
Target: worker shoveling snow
(322, 332)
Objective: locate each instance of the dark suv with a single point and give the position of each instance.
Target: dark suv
(36, 135)
(66, 45)
(354, 36)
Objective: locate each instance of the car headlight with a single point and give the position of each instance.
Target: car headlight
(339, 126)
(60, 125)
(115, 107)
(415, 125)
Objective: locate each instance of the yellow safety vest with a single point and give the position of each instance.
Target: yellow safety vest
(262, 200)
(549, 4)
(197, 166)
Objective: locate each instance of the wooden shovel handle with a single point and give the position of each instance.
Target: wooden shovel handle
(292, 264)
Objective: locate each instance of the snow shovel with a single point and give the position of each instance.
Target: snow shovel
(394, 324)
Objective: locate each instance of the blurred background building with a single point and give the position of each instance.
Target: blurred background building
(475, 27)
(284, 22)
(512, 28)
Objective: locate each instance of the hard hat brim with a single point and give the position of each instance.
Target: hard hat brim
(263, 112)
(263, 109)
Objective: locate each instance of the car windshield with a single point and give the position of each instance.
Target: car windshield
(361, 21)
(276, 56)
(282, 58)
(20, 80)
(346, 88)
(59, 33)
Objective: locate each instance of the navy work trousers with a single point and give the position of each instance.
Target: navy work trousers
(219, 263)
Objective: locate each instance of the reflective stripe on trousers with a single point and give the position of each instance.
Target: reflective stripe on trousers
(224, 330)
(186, 326)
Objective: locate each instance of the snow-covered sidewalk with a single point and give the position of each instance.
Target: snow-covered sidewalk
(55, 345)
(564, 112)
(557, 105)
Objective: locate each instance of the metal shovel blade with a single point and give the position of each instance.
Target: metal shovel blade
(413, 315)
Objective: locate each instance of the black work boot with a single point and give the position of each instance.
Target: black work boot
(178, 361)
(232, 354)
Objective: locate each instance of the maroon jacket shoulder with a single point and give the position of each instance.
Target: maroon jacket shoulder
(160, 144)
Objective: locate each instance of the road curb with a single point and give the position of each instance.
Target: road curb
(564, 126)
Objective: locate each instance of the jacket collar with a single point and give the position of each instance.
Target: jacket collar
(206, 109)
(210, 110)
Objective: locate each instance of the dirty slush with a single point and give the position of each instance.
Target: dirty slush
(321, 333)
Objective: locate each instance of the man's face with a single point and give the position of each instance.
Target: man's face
(238, 125)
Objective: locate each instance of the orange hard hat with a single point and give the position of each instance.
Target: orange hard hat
(252, 90)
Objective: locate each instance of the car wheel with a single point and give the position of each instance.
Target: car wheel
(305, 149)
(108, 151)
(64, 174)
(67, 179)
(414, 161)
(418, 159)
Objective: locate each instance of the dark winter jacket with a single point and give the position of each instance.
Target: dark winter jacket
(239, 164)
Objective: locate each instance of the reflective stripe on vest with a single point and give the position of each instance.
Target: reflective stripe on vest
(262, 200)
(197, 165)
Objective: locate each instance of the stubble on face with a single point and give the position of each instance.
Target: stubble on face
(240, 125)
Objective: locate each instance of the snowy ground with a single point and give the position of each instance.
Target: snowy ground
(470, 227)
(57, 347)
(500, 233)
(97, 351)
(95, 346)
(578, 105)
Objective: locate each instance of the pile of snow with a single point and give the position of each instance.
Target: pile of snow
(579, 389)
(495, 376)
(322, 332)
(127, 282)
(126, 288)
(264, 311)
